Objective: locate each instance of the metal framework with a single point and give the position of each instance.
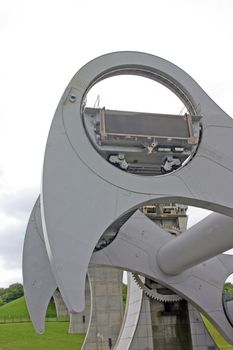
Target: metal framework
(81, 175)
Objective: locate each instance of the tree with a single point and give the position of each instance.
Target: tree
(228, 287)
(228, 291)
(14, 291)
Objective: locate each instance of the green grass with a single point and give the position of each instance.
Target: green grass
(17, 310)
(124, 293)
(21, 336)
(220, 341)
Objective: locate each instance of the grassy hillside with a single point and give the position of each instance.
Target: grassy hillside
(21, 336)
(17, 309)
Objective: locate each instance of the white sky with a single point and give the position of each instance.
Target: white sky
(43, 43)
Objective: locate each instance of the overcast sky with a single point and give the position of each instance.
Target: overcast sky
(43, 44)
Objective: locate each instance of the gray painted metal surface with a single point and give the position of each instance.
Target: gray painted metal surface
(136, 247)
(38, 281)
(71, 162)
(212, 236)
(170, 329)
(77, 180)
(131, 316)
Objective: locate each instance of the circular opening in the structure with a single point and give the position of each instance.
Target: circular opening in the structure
(227, 297)
(195, 215)
(134, 93)
(174, 218)
(140, 126)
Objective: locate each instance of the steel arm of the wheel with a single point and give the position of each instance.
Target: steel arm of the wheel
(82, 194)
(38, 280)
(134, 249)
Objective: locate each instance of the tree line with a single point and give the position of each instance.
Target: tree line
(14, 291)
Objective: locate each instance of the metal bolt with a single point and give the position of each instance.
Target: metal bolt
(72, 98)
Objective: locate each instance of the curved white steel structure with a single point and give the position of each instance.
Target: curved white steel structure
(77, 180)
(132, 313)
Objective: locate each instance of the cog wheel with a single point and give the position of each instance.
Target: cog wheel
(157, 292)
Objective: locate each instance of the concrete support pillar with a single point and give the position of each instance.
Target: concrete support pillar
(170, 326)
(201, 338)
(79, 322)
(107, 308)
(60, 306)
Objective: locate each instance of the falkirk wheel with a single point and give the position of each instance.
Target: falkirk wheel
(111, 164)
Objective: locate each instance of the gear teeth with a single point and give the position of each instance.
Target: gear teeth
(153, 294)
